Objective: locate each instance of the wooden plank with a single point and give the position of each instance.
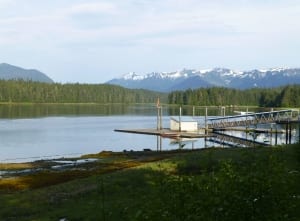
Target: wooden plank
(164, 133)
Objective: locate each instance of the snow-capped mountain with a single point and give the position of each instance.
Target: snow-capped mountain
(220, 77)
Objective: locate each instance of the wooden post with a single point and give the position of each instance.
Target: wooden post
(276, 134)
(180, 119)
(160, 120)
(286, 133)
(247, 125)
(206, 128)
(299, 130)
(158, 114)
(193, 111)
(160, 143)
(158, 126)
(290, 133)
(271, 135)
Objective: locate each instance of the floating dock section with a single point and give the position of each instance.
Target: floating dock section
(166, 133)
(213, 127)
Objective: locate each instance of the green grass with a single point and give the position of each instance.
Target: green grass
(212, 184)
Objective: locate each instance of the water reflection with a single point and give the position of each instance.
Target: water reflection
(13, 111)
(33, 131)
(258, 136)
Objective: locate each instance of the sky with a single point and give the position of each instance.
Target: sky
(93, 41)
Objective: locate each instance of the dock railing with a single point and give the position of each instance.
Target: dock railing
(253, 119)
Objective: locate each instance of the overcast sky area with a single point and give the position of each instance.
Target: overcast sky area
(94, 41)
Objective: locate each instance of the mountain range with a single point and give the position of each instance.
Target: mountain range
(10, 72)
(217, 77)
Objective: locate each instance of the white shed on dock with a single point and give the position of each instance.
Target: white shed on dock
(183, 123)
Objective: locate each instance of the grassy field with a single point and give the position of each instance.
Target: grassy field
(210, 184)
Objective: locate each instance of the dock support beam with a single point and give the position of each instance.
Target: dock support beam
(159, 115)
(290, 133)
(193, 111)
(180, 119)
(271, 134)
(276, 134)
(223, 111)
(159, 143)
(160, 119)
(286, 133)
(206, 128)
(298, 126)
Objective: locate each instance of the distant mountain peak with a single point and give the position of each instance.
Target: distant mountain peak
(216, 77)
(131, 75)
(11, 72)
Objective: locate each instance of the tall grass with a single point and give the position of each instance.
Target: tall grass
(210, 185)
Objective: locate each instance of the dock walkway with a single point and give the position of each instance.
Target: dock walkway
(213, 127)
(166, 133)
(279, 117)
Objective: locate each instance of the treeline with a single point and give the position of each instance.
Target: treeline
(288, 96)
(35, 92)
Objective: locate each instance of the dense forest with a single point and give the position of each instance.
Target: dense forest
(35, 92)
(288, 96)
(24, 91)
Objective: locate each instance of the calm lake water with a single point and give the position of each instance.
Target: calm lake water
(32, 132)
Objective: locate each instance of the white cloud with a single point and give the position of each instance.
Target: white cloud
(95, 7)
(5, 3)
(132, 27)
(139, 23)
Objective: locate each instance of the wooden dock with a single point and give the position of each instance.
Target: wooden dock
(166, 133)
(212, 127)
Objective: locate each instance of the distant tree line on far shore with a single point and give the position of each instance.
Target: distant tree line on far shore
(288, 96)
(35, 92)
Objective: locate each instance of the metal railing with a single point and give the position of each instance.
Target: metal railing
(251, 119)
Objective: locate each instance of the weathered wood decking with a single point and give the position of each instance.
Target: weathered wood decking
(166, 133)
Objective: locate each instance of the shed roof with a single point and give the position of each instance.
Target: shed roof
(183, 119)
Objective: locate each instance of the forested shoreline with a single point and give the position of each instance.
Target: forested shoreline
(288, 96)
(35, 92)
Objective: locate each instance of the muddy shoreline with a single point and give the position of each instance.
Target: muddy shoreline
(42, 173)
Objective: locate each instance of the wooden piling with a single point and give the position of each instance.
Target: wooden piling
(206, 126)
(180, 119)
(286, 133)
(276, 134)
(290, 133)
